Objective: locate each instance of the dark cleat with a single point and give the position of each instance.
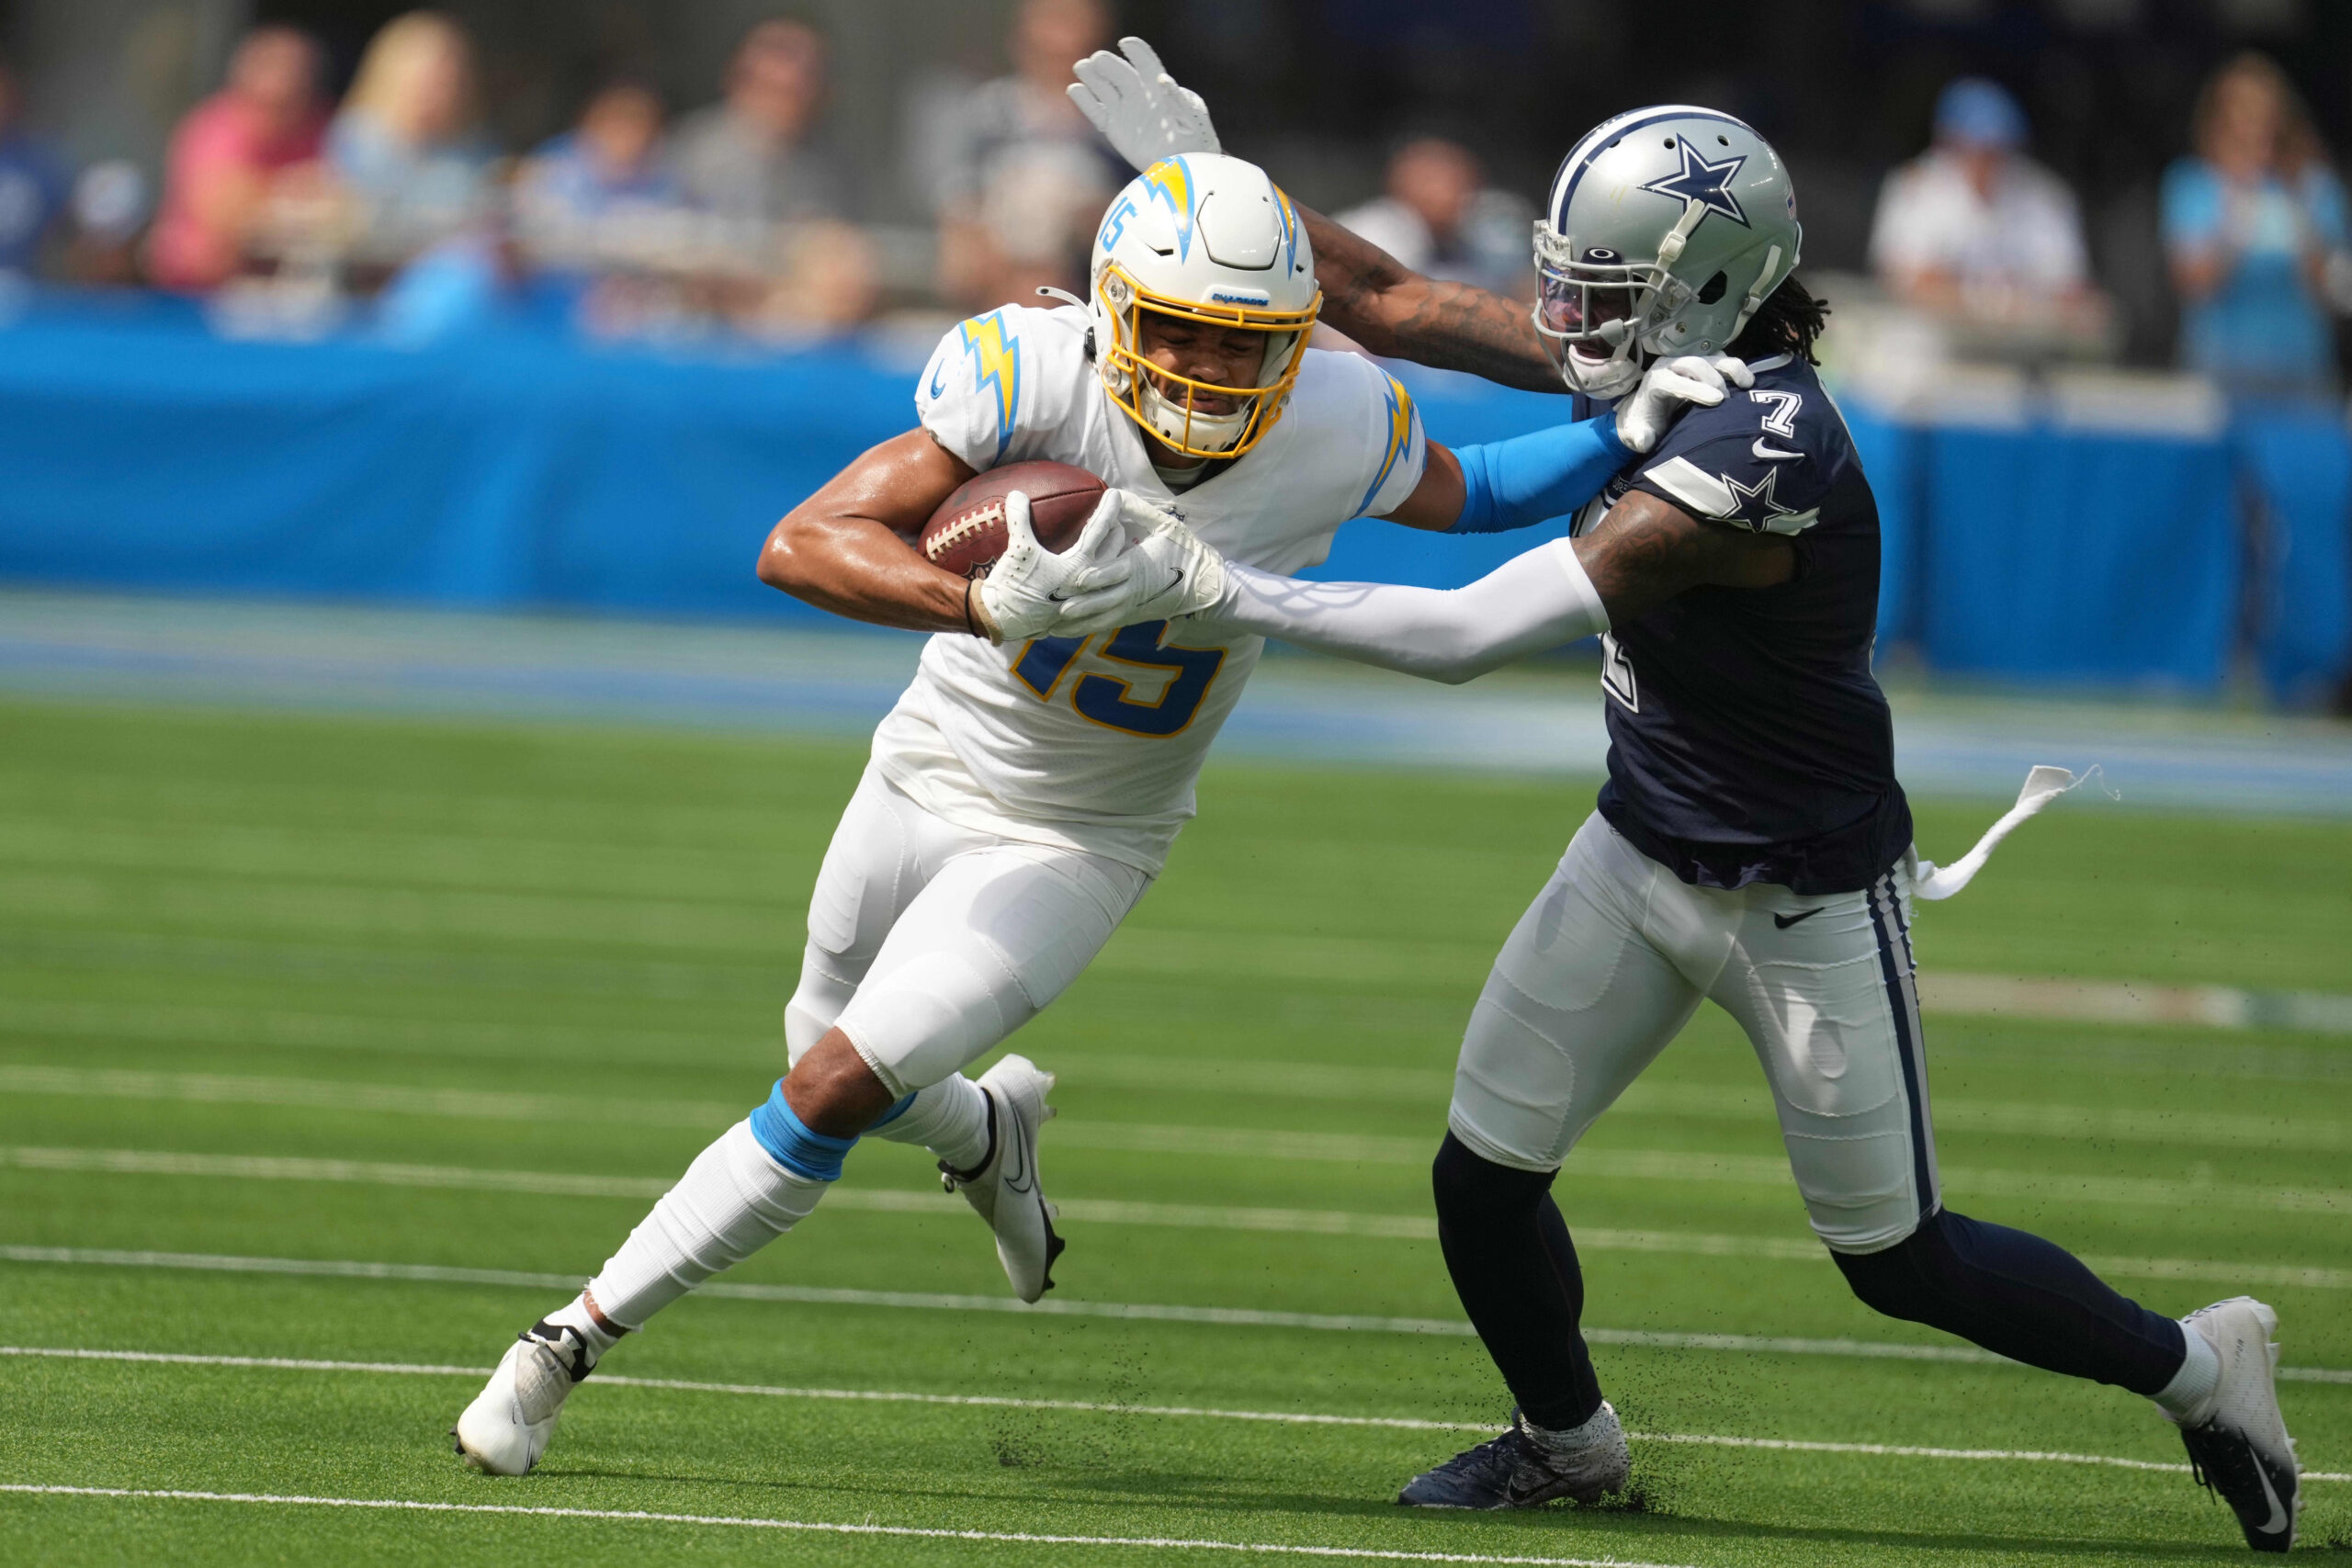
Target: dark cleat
(1514, 1471)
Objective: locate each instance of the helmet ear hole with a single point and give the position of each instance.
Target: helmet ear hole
(1713, 289)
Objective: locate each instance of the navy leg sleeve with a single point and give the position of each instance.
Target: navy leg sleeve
(2018, 1296)
(1515, 1269)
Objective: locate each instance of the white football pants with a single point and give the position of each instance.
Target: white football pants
(929, 944)
(1611, 959)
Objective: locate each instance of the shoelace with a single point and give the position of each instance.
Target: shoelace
(570, 1350)
(1493, 1448)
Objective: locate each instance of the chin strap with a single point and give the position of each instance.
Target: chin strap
(1669, 250)
(1757, 294)
(2042, 785)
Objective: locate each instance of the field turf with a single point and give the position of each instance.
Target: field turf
(280, 994)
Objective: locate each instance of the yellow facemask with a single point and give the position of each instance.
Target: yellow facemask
(1161, 401)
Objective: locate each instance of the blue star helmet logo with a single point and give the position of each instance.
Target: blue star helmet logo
(1707, 184)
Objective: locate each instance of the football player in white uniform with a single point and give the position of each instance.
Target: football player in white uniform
(1752, 845)
(1024, 793)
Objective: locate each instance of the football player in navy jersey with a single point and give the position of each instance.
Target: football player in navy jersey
(1751, 846)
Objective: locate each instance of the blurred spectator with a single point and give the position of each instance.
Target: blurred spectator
(2250, 221)
(1019, 178)
(109, 211)
(612, 159)
(33, 187)
(1975, 228)
(405, 143)
(1438, 218)
(756, 155)
(266, 119)
(830, 283)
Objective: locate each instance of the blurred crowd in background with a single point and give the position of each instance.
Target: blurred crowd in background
(2022, 181)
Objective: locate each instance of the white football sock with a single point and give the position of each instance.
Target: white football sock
(950, 1119)
(575, 1316)
(2191, 1387)
(1600, 1427)
(732, 1202)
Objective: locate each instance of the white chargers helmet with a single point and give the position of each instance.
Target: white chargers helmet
(1204, 238)
(1668, 227)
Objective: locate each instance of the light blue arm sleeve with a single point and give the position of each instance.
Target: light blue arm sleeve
(1531, 478)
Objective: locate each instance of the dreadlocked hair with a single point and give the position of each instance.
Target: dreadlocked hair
(1787, 322)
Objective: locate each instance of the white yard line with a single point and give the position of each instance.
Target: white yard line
(2040, 998)
(2133, 1001)
(1680, 1165)
(1084, 1407)
(1240, 1318)
(2175, 1129)
(1093, 1211)
(1648, 1164)
(1706, 1101)
(329, 1094)
(640, 1515)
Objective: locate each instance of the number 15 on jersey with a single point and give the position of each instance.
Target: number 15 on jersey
(1106, 698)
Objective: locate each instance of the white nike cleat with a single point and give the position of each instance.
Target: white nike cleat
(506, 1428)
(1003, 1186)
(2237, 1442)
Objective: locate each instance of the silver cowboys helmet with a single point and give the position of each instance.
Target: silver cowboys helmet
(1667, 227)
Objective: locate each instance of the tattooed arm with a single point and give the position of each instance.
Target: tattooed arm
(1645, 552)
(1398, 314)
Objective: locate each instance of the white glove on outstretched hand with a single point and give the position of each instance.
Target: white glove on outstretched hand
(1643, 413)
(1030, 588)
(1138, 107)
(1173, 574)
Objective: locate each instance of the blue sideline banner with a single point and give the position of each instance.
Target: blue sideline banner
(521, 468)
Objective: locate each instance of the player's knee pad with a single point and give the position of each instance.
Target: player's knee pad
(793, 1145)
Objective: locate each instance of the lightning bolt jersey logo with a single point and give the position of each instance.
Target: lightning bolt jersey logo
(995, 362)
(1401, 423)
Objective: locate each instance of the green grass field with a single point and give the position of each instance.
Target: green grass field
(444, 998)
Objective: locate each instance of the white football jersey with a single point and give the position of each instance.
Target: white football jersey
(1094, 743)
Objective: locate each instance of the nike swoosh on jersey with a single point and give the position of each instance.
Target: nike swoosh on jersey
(1785, 921)
(1771, 454)
(938, 380)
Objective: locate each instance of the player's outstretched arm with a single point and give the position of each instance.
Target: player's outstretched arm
(1531, 478)
(1398, 314)
(1146, 115)
(846, 548)
(1643, 553)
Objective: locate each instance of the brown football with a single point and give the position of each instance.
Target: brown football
(966, 534)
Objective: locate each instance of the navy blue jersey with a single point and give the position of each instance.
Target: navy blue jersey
(1748, 741)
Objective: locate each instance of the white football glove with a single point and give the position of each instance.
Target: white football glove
(1138, 107)
(1030, 588)
(1173, 574)
(1643, 413)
